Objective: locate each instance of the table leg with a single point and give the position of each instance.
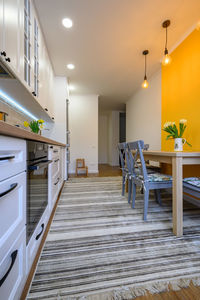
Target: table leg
(177, 173)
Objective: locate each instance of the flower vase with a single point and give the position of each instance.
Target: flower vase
(178, 144)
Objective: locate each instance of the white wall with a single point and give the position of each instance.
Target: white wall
(143, 114)
(103, 139)
(57, 130)
(83, 126)
(113, 138)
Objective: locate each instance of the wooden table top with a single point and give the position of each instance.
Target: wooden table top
(10, 130)
(172, 153)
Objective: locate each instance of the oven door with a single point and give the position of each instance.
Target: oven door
(37, 194)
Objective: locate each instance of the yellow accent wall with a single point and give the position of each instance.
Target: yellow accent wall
(181, 96)
(181, 91)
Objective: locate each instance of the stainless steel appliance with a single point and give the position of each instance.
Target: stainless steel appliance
(37, 184)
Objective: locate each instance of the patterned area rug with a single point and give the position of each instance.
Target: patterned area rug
(100, 248)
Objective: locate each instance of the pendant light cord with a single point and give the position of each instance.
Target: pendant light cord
(145, 67)
(166, 39)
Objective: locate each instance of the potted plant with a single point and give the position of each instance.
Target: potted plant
(176, 133)
(35, 126)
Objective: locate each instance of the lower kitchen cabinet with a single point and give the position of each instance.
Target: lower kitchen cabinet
(12, 269)
(34, 243)
(12, 209)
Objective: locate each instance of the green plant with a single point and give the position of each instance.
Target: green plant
(35, 126)
(173, 131)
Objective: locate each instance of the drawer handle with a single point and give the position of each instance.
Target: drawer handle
(56, 160)
(37, 237)
(57, 181)
(7, 157)
(13, 257)
(55, 151)
(12, 187)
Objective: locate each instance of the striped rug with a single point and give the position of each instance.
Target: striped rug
(98, 248)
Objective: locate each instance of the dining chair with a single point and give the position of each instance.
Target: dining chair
(122, 148)
(191, 186)
(153, 181)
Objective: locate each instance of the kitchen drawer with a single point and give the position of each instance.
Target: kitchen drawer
(55, 167)
(55, 152)
(13, 259)
(12, 156)
(12, 208)
(34, 243)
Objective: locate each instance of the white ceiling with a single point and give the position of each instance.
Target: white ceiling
(107, 40)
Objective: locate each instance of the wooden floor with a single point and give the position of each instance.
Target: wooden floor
(190, 293)
(104, 170)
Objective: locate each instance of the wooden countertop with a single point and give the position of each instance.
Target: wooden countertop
(10, 130)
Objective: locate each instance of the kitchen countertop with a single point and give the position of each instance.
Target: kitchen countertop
(10, 130)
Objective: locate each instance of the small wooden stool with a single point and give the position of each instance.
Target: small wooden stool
(80, 166)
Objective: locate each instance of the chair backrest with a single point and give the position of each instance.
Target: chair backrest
(135, 151)
(122, 148)
(80, 163)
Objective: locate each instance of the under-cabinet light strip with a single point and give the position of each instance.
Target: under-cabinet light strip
(13, 103)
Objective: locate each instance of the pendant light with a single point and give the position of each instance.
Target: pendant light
(166, 59)
(145, 83)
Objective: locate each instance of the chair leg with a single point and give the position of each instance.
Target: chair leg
(129, 190)
(158, 197)
(146, 202)
(123, 185)
(133, 194)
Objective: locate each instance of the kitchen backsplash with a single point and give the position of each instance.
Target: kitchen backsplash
(14, 117)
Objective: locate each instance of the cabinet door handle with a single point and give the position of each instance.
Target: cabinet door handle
(57, 181)
(37, 237)
(8, 59)
(6, 157)
(57, 160)
(12, 187)
(3, 53)
(13, 258)
(55, 151)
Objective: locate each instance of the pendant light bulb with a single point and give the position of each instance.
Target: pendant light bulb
(145, 83)
(167, 58)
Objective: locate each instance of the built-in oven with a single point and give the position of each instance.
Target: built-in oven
(37, 184)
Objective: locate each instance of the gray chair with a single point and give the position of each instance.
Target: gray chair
(122, 148)
(191, 186)
(153, 181)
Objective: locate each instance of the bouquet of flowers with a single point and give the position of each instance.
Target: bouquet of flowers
(35, 126)
(173, 131)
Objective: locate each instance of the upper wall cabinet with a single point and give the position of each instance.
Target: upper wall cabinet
(23, 50)
(10, 37)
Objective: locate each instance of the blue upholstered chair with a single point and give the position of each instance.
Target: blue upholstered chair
(153, 181)
(191, 186)
(122, 148)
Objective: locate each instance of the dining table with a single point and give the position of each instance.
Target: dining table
(177, 160)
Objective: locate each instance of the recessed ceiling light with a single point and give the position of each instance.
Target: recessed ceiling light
(70, 66)
(67, 22)
(71, 87)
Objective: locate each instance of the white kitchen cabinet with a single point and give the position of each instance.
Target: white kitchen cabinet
(12, 208)
(55, 174)
(12, 268)
(1, 25)
(12, 156)
(34, 243)
(10, 33)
